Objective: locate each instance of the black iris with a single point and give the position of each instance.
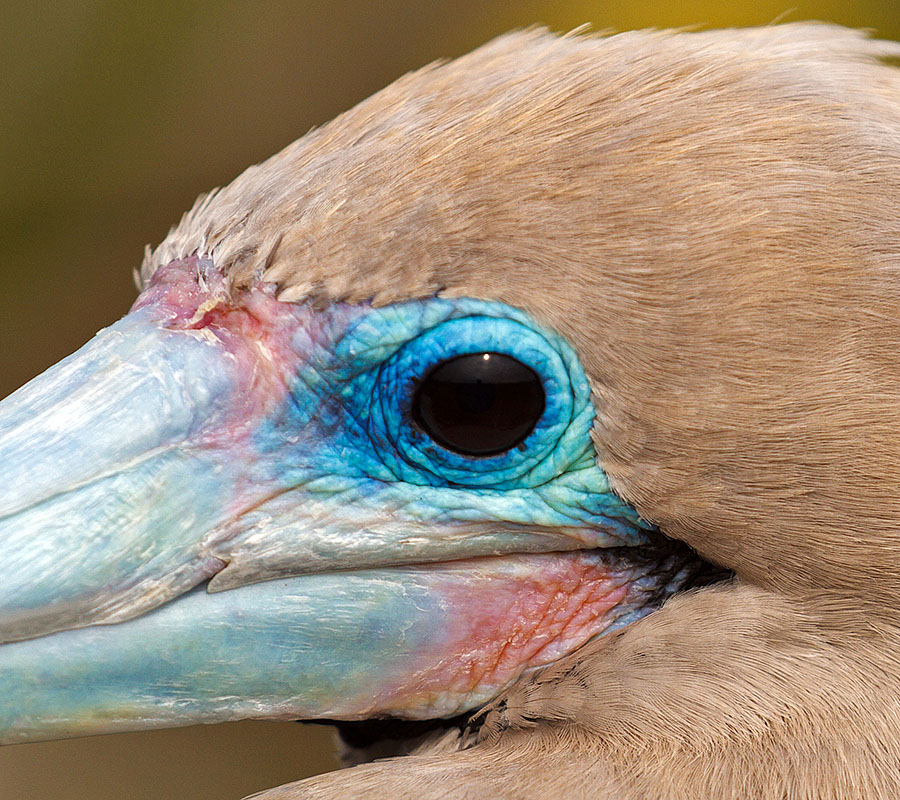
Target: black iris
(479, 404)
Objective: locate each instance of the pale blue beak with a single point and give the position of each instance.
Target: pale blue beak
(100, 500)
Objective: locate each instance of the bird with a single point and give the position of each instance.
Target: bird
(535, 421)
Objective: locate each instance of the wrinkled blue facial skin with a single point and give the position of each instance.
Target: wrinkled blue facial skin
(345, 439)
(367, 430)
(322, 471)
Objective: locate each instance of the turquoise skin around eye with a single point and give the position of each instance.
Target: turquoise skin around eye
(414, 455)
(349, 416)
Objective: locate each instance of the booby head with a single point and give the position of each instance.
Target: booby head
(445, 389)
(305, 511)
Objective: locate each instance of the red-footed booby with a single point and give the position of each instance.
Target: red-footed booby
(546, 402)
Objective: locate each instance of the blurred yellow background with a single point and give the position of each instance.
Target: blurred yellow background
(115, 115)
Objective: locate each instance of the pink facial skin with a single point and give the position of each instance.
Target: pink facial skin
(255, 330)
(266, 342)
(501, 617)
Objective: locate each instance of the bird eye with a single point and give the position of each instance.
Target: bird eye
(479, 404)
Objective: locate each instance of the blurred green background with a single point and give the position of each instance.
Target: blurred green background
(115, 115)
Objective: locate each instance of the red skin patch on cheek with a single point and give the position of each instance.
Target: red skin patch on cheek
(504, 617)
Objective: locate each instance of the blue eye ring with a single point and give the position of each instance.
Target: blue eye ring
(559, 438)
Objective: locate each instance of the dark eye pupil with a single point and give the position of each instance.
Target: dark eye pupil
(479, 404)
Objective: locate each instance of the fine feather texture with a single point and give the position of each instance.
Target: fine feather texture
(713, 220)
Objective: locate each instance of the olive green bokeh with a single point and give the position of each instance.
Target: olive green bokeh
(115, 115)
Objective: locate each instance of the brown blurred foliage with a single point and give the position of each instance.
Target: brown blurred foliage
(115, 116)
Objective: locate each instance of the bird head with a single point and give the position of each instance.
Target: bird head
(492, 364)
